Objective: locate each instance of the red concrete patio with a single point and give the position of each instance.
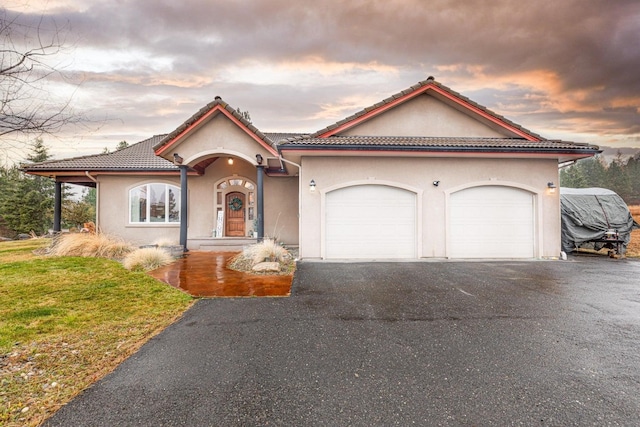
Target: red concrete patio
(204, 274)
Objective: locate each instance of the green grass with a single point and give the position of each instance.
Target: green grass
(66, 322)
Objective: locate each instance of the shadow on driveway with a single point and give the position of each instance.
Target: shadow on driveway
(362, 344)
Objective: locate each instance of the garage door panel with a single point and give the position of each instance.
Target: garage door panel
(370, 221)
(492, 222)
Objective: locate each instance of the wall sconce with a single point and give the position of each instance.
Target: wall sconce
(259, 159)
(436, 183)
(552, 187)
(177, 159)
(230, 160)
(312, 186)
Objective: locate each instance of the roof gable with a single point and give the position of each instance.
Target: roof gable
(198, 120)
(440, 92)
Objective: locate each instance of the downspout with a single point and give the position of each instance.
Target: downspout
(565, 164)
(97, 197)
(282, 159)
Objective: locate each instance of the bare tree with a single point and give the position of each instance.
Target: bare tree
(29, 61)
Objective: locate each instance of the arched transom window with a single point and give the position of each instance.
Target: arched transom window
(154, 204)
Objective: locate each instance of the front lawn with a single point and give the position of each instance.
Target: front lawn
(65, 322)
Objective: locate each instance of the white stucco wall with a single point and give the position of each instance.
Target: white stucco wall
(453, 173)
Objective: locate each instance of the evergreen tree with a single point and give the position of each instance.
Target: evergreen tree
(594, 170)
(26, 203)
(617, 178)
(573, 177)
(75, 213)
(633, 170)
(121, 145)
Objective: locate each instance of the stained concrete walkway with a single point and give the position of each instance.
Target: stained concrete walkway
(204, 274)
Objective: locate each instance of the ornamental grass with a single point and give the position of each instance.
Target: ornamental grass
(268, 250)
(96, 245)
(147, 259)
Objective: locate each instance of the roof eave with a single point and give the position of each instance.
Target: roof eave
(562, 155)
(361, 147)
(58, 171)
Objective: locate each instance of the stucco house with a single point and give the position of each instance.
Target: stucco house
(425, 173)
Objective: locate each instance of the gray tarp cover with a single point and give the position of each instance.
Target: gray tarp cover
(587, 214)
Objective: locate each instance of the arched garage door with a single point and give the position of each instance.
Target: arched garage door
(492, 222)
(370, 221)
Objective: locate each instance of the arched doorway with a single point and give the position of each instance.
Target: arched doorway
(235, 207)
(235, 214)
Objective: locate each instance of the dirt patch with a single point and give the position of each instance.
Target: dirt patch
(633, 249)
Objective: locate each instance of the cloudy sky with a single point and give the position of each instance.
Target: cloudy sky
(567, 69)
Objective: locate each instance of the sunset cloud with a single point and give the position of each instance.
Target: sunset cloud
(565, 69)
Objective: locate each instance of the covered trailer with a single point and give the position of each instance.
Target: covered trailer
(595, 218)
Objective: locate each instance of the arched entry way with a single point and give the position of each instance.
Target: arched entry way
(235, 207)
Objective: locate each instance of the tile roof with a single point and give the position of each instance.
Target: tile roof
(136, 157)
(277, 137)
(202, 112)
(429, 82)
(431, 143)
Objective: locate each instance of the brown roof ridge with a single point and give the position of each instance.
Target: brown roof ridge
(430, 81)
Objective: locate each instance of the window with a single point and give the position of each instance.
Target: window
(154, 203)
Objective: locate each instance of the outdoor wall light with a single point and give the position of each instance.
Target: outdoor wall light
(436, 183)
(177, 159)
(312, 186)
(259, 158)
(552, 187)
(230, 160)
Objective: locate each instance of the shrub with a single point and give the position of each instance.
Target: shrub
(268, 249)
(147, 259)
(97, 245)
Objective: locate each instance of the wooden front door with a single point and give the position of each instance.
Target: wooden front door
(235, 215)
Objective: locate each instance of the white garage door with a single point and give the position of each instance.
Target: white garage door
(491, 222)
(370, 221)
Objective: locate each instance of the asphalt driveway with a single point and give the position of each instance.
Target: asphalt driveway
(424, 343)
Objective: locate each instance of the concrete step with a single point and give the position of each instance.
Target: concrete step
(221, 244)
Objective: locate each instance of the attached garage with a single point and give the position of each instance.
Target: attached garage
(370, 222)
(492, 222)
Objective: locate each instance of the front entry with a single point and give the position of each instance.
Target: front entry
(235, 214)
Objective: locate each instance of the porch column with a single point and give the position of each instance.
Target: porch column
(183, 206)
(260, 201)
(57, 208)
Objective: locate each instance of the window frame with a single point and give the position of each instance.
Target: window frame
(167, 210)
